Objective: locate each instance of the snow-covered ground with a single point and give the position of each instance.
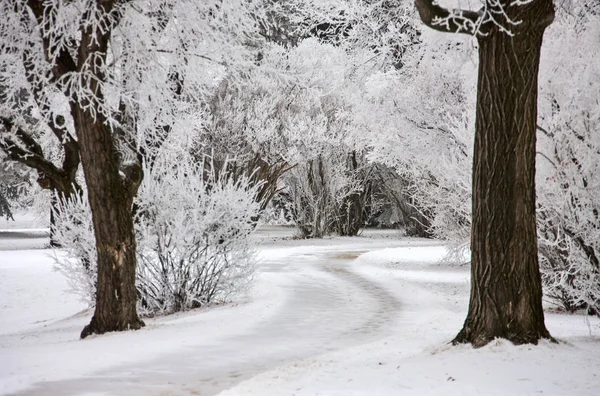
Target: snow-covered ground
(370, 315)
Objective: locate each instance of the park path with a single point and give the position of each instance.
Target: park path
(324, 306)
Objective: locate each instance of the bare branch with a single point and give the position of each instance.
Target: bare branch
(545, 131)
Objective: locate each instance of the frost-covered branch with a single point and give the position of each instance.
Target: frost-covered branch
(20, 146)
(57, 44)
(502, 15)
(444, 20)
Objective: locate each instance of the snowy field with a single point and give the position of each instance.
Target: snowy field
(370, 315)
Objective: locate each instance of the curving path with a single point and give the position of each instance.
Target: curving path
(324, 306)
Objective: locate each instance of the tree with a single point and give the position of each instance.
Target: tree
(506, 290)
(568, 159)
(299, 123)
(422, 105)
(107, 67)
(112, 182)
(334, 187)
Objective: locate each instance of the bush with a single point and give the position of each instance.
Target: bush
(332, 194)
(193, 230)
(75, 233)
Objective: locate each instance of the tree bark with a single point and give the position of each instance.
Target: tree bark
(112, 186)
(111, 201)
(506, 291)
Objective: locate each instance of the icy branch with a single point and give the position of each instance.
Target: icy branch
(444, 20)
(20, 146)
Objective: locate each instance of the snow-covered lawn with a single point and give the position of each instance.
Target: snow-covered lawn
(340, 316)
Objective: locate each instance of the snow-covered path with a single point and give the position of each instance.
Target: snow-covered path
(366, 316)
(309, 302)
(325, 307)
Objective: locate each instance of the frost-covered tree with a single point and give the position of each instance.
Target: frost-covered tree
(241, 134)
(421, 105)
(7, 191)
(297, 116)
(5, 205)
(19, 189)
(115, 76)
(33, 128)
(429, 105)
(11, 178)
(506, 290)
(568, 158)
(330, 49)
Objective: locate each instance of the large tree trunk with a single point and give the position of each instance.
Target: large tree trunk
(112, 186)
(110, 193)
(506, 291)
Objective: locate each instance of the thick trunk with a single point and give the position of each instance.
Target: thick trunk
(111, 196)
(112, 185)
(506, 291)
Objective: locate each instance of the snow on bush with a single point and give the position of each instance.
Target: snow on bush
(569, 160)
(332, 193)
(193, 228)
(75, 233)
